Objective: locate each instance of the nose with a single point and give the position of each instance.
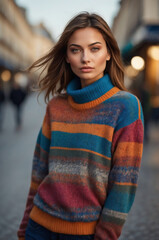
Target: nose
(85, 57)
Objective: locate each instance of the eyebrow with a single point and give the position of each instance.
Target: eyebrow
(76, 45)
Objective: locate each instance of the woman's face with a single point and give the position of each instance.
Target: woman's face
(87, 55)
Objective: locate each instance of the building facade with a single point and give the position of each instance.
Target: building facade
(136, 28)
(20, 42)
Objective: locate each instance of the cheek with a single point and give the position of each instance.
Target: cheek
(73, 61)
(103, 58)
(102, 61)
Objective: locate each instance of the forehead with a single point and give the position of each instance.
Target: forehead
(86, 35)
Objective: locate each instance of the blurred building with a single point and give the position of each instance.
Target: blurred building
(20, 42)
(136, 28)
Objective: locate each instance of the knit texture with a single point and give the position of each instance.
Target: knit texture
(86, 161)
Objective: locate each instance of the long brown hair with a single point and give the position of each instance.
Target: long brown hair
(59, 73)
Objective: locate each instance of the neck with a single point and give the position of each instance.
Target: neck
(85, 83)
(94, 93)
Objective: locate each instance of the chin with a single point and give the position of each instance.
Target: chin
(90, 77)
(86, 76)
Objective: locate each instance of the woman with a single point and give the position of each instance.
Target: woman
(88, 151)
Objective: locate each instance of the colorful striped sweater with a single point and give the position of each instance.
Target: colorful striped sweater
(86, 161)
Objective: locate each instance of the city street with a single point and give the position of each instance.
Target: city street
(16, 151)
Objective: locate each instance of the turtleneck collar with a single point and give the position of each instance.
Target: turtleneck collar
(94, 93)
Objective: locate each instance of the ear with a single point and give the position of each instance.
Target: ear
(108, 56)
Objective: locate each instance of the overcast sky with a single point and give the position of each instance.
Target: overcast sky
(56, 13)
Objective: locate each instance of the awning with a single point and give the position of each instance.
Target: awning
(143, 34)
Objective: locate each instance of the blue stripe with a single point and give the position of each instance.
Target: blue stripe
(124, 174)
(43, 141)
(81, 140)
(119, 201)
(129, 110)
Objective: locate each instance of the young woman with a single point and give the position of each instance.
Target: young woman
(88, 151)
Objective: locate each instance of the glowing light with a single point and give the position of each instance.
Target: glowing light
(153, 52)
(138, 63)
(6, 75)
(21, 79)
(130, 71)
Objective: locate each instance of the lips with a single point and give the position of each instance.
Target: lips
(86, 69)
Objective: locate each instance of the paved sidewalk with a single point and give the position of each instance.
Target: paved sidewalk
(16, 151)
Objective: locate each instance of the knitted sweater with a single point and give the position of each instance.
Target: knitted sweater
(86, 161)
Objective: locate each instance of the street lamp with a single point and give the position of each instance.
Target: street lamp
(153, 52)
(138, 63)
(6, 75)
(21, 79)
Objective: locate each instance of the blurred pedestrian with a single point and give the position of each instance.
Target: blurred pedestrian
(2, 100)
(17, 96)
(88, 151)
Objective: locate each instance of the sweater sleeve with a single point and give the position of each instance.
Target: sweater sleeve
(39, 170)
(127, 147)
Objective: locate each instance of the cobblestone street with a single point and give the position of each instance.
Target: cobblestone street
(16, 151)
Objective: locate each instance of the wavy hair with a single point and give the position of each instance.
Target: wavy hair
(59, 72)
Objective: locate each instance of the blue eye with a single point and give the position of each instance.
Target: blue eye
(75, 50)
(95, 49)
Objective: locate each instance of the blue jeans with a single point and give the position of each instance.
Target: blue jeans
(35, 231)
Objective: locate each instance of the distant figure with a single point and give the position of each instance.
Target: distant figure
(17, 97)
(2, 100)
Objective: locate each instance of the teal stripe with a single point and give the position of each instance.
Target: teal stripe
(130, 108)
(81, 140)
(119, 201)
(70, 154)
(90, 92)
(43, 141)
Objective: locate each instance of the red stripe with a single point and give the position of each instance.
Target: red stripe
(112, 230)
(130, 133)
(67, 195)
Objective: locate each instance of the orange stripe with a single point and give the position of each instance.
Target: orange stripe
(100, 130)
(34, 185)
(139, 108)
(46, 131)
(58, 225)
(128, 149)
(80, 149)
(95, 102)
(126, 184)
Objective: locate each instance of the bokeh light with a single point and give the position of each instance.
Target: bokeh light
(138, 63)
(5, 76)
(153, 52)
